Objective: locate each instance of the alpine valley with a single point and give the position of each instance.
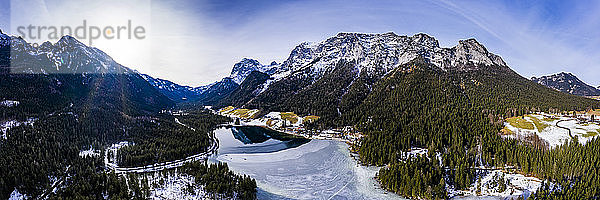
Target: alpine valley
(433, 122)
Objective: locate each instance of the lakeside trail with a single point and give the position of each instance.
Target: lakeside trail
(164, 165)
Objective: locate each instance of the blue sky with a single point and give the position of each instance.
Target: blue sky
(197, 42)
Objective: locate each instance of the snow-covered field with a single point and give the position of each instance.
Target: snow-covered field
(552, 133)
(499, 185)
(319, 169)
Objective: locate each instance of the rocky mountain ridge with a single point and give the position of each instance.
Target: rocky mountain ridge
(568, 83)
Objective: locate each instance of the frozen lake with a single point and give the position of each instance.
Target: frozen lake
(311, 169)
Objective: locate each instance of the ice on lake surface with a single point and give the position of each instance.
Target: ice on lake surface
(319, 169)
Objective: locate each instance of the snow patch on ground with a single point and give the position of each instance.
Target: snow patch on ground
(499, 185)
(16, 195)
(89, 153)
(9, 103)
(110, 155)
(174, 186)
(554, 135)
(414, 152)
(5, 126)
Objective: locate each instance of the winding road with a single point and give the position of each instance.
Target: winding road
(164, 165)
(559, 126)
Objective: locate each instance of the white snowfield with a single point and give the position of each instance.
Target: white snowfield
(555, 135)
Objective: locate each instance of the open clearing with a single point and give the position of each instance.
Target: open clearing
(520, 122)
(546, 127)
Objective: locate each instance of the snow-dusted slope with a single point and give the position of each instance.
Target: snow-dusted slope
(242, 69)
(374, 55)
(567, 82)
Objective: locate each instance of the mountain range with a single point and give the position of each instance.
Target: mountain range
(333, 77)
(569, 83)
(49, 77)
(372, 54)
(212, 93)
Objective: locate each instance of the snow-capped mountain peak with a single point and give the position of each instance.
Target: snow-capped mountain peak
(68, 55)
(386, 51)
(370, 54)
(472, 51)
(242, 69)
(425, 40)
(4, 39)
(567, 82)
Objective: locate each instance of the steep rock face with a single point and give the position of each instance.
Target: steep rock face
(373, 52)
(568, 83)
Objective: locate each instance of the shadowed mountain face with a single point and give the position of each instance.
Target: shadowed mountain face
(250, 88)
(174, 91)
(568, 83)
(53, 76)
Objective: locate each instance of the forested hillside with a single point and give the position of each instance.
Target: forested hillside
(452, 113)
(61, 123)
